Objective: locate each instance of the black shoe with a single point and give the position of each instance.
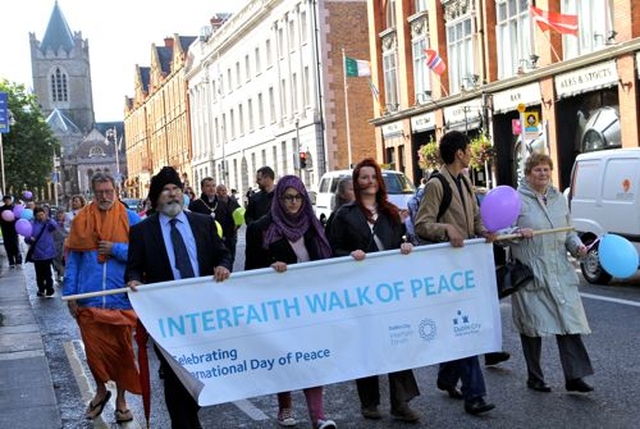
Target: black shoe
(51, 293)
(495, 358)
(453, 392)
(578, 385)
(40, 294)
(371, 413)
(538, 386)
(478, 406)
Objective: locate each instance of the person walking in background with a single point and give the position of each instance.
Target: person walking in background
(289, 234)
(77, 203)
(98, 247)
(344, 194)
(460, 221)
(260, 202)
(371, 223)
(43, 250)
(172, 244)
(551, 304)
(59, 236)
(9, 234)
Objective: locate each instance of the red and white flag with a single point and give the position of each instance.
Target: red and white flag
(565, 24)
(435, 62)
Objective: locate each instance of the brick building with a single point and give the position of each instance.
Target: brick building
(582, 88)
(157, 117)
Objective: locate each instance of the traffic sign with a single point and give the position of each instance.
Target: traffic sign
(521, 107)
(4, 113)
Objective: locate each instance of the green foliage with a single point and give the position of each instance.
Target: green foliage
(429, 156)
(481, 151)
(29, 146)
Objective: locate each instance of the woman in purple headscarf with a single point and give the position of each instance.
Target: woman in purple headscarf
(289, 234)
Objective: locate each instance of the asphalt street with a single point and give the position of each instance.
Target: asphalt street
(613, 312)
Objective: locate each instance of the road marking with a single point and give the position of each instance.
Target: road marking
(86, 389)
(616, 300)
(251, 410)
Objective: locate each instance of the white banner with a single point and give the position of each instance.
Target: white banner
(323, 322)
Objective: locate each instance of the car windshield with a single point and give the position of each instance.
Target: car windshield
(398, 184)
(132, 203)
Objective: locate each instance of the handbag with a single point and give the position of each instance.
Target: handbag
(32, 246)
(512, 276)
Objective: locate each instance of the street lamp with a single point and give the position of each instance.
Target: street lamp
(113, 133)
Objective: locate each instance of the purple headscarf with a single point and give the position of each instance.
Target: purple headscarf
(293, 226)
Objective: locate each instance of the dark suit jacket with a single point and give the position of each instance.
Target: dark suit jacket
(148, 261)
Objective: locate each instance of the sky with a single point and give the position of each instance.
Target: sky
(120, 34)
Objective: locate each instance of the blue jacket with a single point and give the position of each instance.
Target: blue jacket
(45, 249)
(83, 273)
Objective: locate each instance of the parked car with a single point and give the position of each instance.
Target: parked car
(134, 204)
(399, 188)
(604, 197)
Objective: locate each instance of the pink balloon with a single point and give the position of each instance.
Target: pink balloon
(8, 215)
(24, 228)
(500, 208)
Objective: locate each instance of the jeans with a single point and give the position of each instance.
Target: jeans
(467, 370)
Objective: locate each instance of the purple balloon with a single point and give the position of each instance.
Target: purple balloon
(27, 195)
(500, 208)
(17, 210)
(24, 228)
(8, 216)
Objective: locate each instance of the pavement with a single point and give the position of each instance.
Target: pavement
(27, 396)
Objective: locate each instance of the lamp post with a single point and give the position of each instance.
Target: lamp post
(113, 133)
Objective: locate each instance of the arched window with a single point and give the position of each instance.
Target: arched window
(59, 86)
(96, 151)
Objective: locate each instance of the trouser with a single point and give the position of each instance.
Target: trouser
(182, 408)
(43, 276)
(315, 403)
(402, 388)
(573, 356)
(12, 248)
(467, 370)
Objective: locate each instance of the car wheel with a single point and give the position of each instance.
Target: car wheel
(591, 268)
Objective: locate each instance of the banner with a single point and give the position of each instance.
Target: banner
(323, 322)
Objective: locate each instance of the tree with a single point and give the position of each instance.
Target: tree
(29, 146)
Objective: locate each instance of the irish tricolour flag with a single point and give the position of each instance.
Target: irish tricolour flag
(356, 68)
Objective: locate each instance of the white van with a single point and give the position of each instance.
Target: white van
(399, 190)
(605, 197)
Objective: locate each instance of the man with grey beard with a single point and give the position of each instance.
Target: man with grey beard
(172, 244)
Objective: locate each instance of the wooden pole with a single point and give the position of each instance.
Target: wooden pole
(538, 232)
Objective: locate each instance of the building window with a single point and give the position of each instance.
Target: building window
(460, 50)
(294, 92)
(280, 43)
(292, 35)
(419, 5)
(257, 66)
(250, 112)
(232, 124)
(306, 93)
(229, 84)
(390, 71)
(240, 120)
(238, 77)
(247, 68)
(390, 14)
(217, 131)
(260, 110)
(421, 74)
(304, 26)
(214, 91)
(513, 37)
(224, 128)
(272, 105)
(283, 151)
(59, 86)
(595, 29)
(269, 54)
(263, 154)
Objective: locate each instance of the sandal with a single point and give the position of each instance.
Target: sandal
(94, 410)
(123, 416)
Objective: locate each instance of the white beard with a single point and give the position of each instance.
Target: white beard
(170, 209)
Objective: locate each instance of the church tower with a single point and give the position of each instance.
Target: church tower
(62, 72)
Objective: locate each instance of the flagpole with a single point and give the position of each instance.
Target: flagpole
(346, 107)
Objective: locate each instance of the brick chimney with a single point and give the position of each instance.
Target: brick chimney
(168, 42)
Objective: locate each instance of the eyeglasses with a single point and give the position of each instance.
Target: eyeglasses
(291, 198)
(106, 193)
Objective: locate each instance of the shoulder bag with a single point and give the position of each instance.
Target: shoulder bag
(32, 246)
(512, 276)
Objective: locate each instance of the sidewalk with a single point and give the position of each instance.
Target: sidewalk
(27, 398)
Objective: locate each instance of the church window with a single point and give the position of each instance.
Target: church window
(59, 86)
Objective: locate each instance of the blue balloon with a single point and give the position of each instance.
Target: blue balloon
(618, 256)
(26, 214)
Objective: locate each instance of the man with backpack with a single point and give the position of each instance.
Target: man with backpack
(455, 220)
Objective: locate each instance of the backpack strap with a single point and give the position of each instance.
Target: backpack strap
(446, 195)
